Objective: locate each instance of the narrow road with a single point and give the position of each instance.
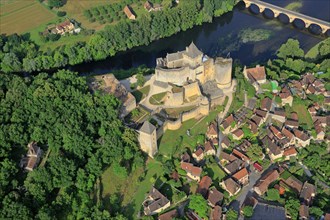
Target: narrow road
(306, 170)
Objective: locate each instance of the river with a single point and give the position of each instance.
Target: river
(223, 37)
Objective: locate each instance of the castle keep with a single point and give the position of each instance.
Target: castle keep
(186, 79)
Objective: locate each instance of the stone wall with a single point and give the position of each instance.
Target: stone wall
(174, 99)
(223, 71)
(191, 90)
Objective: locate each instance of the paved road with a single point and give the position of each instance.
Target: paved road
(306, 170)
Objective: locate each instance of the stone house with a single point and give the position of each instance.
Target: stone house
(240, 155)
(204, 185)
(231, 186)
(302, 139)
(262, 185)
(193, 172)
(274, 151)
(64, 27)
(155, 202)
(148, 139)
(238, 134)
(257, 120)
(225, 143)
(288, 134)
(32, 158)
(214, 197)
(256, 74)
(292, 182)
(303, 212)
(286, 96)
(291, 123)
(242, 176)
(279, 115)
(234, 166)
(212, 131)
(209, 149)
(228, 124)
(129, 12)
(290, 152)
(216, 212)
(307, 193)
(266, 104)
(198, 155)
(173, 214)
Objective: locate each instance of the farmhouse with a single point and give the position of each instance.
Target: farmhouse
(129, 13)
(155, 202)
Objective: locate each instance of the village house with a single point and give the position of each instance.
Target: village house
(310, 90)
(148, 6)
(257, 166)
(225, 143)
(238, 134)
(228, 124)
(215, 142)
(286, 96)
(241, 156)
(301, 138)
(169, 215)
(193, 172)
(198, 155)
(262, 185)
(234, 166)
(261, 113)
(155, 202)
(312, 110)
(214, 197)
(266, 104)
(212, 131)
(320, 132)
(274, 151)
(278, 115)
(230, 186)
(307, 193)
(303, 212)
(244, 145)
(276, 132)
(225, 158)
(209, 149)
(290, 152)
(185, 157)
(257, 120)
(256, 74)
(253, 126)
(242, 176)
(291, 123)
(216, 213)
(293, 183)
(204, 185)
(64, 27)
(129, 12)
(32, 158)
(288, 134)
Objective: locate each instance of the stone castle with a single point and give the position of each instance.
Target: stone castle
(185, 79)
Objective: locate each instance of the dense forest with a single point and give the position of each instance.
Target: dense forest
(80, 135)
(19, 54)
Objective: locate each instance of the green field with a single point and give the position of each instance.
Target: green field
(131, 190)
(303, 115)
(215, 172)
(157, 98)
(174, 142)
(23, 16)
(139, 94)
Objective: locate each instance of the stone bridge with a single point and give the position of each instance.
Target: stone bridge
(324, 25)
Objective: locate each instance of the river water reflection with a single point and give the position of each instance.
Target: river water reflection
(228, 35)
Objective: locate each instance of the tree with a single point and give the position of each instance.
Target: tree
(199, 205)
(140, 79)
(248, 211)
(231, 215)
(290, 49)
(316, 212)
(56, 3)
(292, 206)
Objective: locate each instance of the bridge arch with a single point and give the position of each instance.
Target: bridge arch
(292, 16)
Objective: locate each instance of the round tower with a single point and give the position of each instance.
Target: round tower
(223, 71)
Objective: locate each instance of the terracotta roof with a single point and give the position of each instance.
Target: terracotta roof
(169, 215)
(216, 213)
(225, 141)
(327, 216)
(196, 171)
(301, 135)
(267, 179)
(308, 78)
(279, 112)
(204, 185)
(240, 155)
(147, 5)
(287, 133)
(253, 126)
(266, 104)
(208, 146)
(227, 122)
(290, 151)
(32, 162)
(231, 185)
(214, 196)
(257, 119)
(129, 12)
(293, 183)
(238, 133)
(215, 141)
(307, 192)
(212, 130)
(276, 132)
(261, 113)
(234, 166)
(224, 156)
(285, 95)
(281, 190)
(303, 212)
(311, 89)
(199, 152)
(294, 116)
(292, 123)
(185, 157)
(256, 73)
(241, 174)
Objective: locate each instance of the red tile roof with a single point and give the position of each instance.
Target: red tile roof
(241, 174)
(196, 171)
(266, 104)
(256, 73)
(290, 151)
(238, 133)
(204, 185)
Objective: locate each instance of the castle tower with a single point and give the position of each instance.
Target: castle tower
(148, 138)
(223, 71)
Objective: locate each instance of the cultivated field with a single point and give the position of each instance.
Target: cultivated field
(20, 16)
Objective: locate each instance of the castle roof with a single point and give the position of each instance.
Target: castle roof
(147, 127)
(192, 51)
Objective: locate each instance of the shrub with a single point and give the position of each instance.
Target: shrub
(54, 37)
(61, 13)
(92, 20)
